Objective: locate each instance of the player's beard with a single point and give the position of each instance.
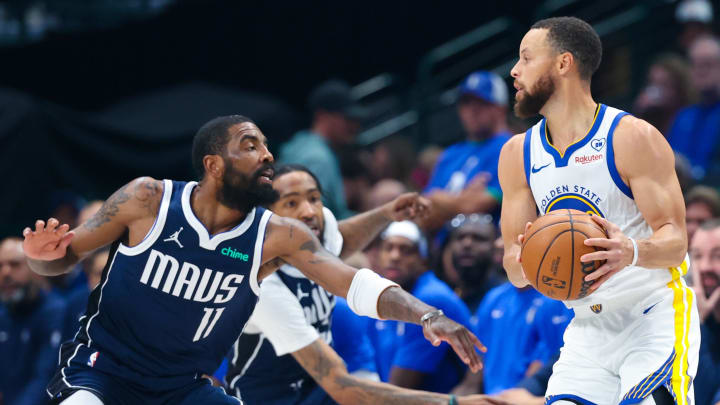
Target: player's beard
(242, 192)
(475, 274)
(535, 98)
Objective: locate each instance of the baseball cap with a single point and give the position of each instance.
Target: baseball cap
(487, 86)
(408, 230)
(694, 10)
(335, 96)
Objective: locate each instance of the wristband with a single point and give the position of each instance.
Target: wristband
(635, 252)
(430, 315)
(453, 400)
(364, 292)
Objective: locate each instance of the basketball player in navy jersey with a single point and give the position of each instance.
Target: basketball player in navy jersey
(635, 337)
(184, 273)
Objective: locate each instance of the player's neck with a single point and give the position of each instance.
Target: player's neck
(215, 216)
(569, 115)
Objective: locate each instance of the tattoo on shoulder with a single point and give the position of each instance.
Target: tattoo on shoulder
(146, 192)
(109, 209)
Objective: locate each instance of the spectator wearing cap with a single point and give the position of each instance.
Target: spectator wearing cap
(695, 132)
(403, 356)
(696, 19)
(464, 179)
(336, 121)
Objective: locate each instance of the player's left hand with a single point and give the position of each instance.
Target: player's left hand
(407, 206)
(618, 252)
(443, 329)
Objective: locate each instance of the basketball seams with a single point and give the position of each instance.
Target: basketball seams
(593, 224)
(570, 224)
(539, 266)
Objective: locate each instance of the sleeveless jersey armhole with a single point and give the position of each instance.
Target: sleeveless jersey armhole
(611, 157)
(526, 154)
(157, 226)
(257, 256)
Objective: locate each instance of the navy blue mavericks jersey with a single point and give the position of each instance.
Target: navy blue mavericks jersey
(258, 375)
(171, 307)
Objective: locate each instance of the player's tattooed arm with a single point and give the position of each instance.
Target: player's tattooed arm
(52, 248)
(358, 231)
(329, 371)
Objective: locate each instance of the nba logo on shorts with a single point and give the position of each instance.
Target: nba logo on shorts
(597, 308)
(93, 359)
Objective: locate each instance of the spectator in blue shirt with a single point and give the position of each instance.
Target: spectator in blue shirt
(351, 340)
(336, 121)
(510, 356)
(30, 329)
(404, 357)
(464, 179)
(696, 130)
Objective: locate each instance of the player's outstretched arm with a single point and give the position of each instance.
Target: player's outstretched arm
(518, 206)
(52, 248)
(358, 231)
(367, 294)
(646, 164)
(329, 371)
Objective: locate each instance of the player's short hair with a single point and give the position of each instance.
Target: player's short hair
(212, 138)
(571, 34)
(290, 168)
(704, 195)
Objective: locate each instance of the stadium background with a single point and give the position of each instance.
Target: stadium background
(94, 95)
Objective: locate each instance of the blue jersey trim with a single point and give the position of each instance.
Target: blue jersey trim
(561, 160)
(554, 398)
(526, 154)
(645, 388)
(611, 158)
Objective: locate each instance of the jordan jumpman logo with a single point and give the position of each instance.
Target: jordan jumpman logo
(174, 237)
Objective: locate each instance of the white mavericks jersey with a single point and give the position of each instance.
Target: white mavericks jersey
(585, 178)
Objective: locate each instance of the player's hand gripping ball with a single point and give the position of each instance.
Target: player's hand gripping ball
(551, 252)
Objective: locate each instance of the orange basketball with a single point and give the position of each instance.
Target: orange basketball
(551, 253)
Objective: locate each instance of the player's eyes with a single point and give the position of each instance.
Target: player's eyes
(291, 204)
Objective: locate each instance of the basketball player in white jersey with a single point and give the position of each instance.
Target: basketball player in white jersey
(635, 336)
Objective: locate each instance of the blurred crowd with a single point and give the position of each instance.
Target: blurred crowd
(452, 258)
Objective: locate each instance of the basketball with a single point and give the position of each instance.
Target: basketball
(551, 253)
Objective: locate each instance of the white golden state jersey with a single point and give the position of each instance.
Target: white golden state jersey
(585, 178)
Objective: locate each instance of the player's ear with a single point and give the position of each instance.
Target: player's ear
(214, 166)
(564, 62)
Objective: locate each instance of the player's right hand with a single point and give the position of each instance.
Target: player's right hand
(47, 242)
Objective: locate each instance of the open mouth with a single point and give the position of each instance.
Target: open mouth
(266, 176)
(313, 225)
